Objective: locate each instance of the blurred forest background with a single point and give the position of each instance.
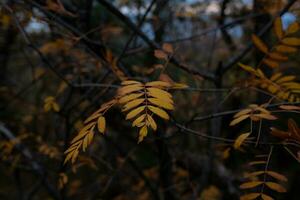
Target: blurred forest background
(60, 60)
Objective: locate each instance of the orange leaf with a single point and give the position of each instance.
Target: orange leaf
(278, 28)
(160, 54)
(251, 184)
(260, 44)
(168, 48)
(266, 197)
(249, 196)
(275, 186)
(293, 28)
(238, 120)
(289, 107)
(291, 41)
(240, 140)
(270, 63)
(277, 176)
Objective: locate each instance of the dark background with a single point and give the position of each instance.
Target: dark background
(60, 50)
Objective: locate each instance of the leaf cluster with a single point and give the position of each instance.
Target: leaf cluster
(258, 180)
(139, 100)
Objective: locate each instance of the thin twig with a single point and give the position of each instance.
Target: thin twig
(263, 31)
(201, 72)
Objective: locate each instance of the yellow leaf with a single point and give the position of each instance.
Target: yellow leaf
(262, 109)
(226, 153)
(275, 186)
(129, 89)
(292, 98)
(132, 104)
(55, 46)
(5, 20)
(254, 106)
(135, 112)
(238, 120)
(130, 82)
(49, 99)
(255, 118)
(85, 142)
(62, 87)
(161, 113)
(260, 44)
(90, 137)
(143, 133)
(210, 193)
(291, 85)
(38, 73)
(289, 107)
(166, 78)
(158, 84)
(242, 112)
(260, 73)
(158, 93)
(293, 28)
(249, 196)
(138, 120)
(58, 7)
(257, 162)
(273, 88)
(50, 104)
(55, 107)
(74, 156)
(68, 157)
(161, 103)
(179, 86)
(140, 124)
(129, 97)
(285, 49)
(278, 28)
(83, 132)
(270, 63)
(265, 116)
(251, 184)
(72, 148)
(248, 69)
(277, 176)
(275, 76)
(47, 107)
(107, 105)
(277, 56)
(92, 117)
(253, 174)
(291, 41)
(266, 197)
(151, 122)
(63, 180)
(101, 124)
(285, 79)
(240, 140)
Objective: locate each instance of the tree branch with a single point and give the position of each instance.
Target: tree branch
(263, 31)
(201, 72)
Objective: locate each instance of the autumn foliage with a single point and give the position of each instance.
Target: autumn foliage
(149, 100)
